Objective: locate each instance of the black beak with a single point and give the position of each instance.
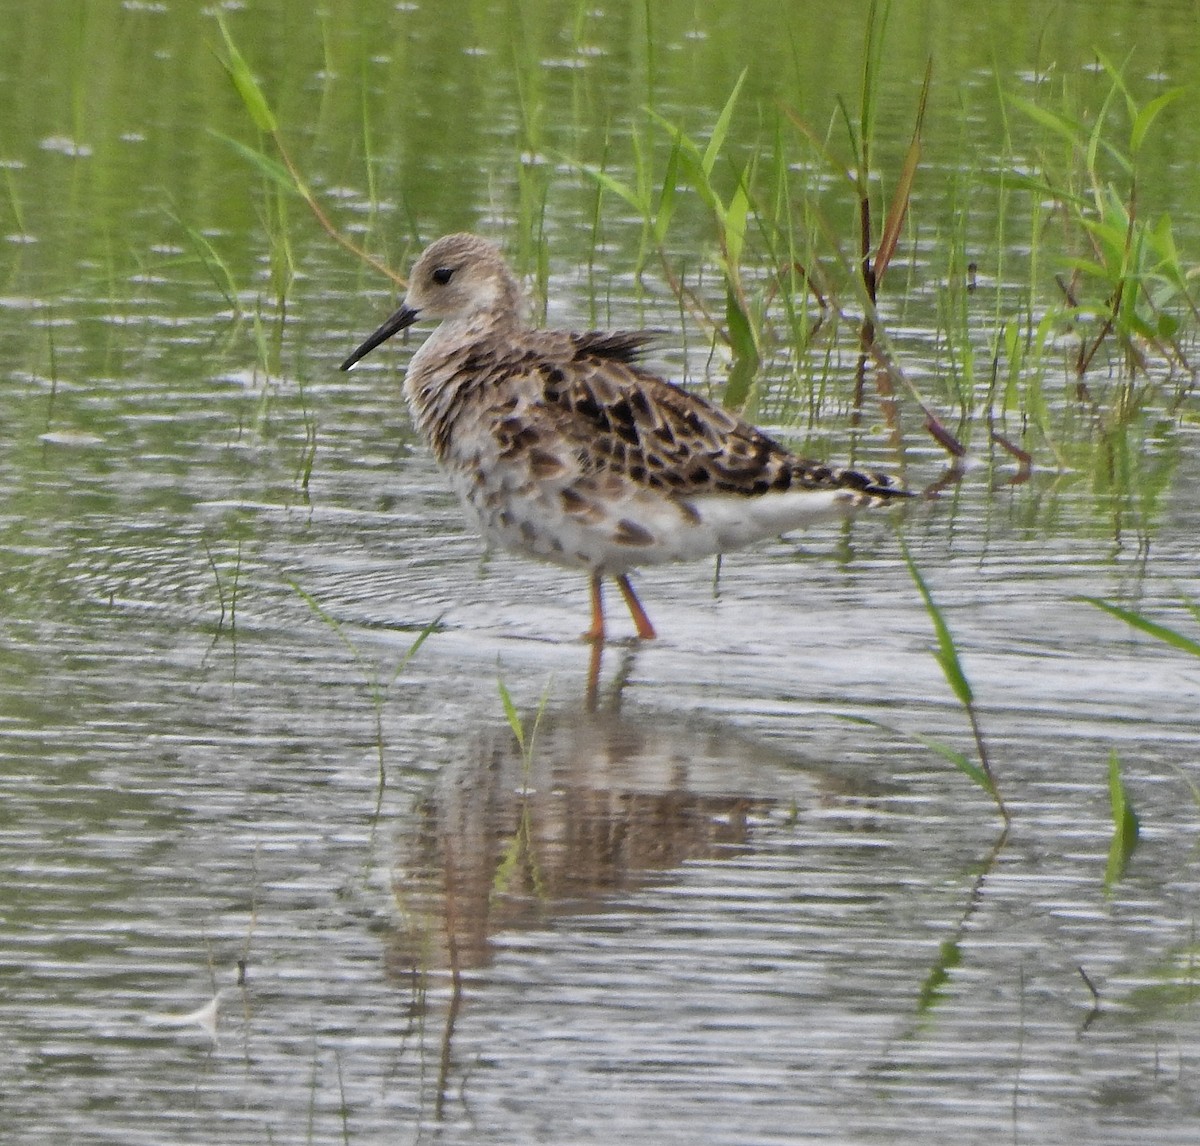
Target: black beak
(405, 316)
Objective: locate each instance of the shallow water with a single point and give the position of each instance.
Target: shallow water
(708, 903)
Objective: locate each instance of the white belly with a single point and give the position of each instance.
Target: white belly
(643, 528)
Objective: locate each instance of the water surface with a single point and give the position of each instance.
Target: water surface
(706, 904)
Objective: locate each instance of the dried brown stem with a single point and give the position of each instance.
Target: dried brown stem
(324, 220)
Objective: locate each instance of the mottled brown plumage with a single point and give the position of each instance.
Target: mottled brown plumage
(567, 449)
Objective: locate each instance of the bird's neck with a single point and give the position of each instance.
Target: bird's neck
(441, 369)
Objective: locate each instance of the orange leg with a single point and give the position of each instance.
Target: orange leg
(645, 629)
(596, 632)
(591, 695)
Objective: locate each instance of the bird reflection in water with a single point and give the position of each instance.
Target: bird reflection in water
(598, 804)
(604, 805)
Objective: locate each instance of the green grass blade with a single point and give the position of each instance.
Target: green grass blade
(1152, 628)
(543, 702)
(1125, 824)
(325, 617)
(272, 169)
(1036, 185)
(247, 86)
(1193, 607)
(740, 331)
(900, 199)
(1147, 116)
(717, 140)
(873, 46)
(1097, 136)
(735, 227)
(511, 714)
(210, 258)
(960, 760)
(1072, 133)
(687, 145)
(690, 168)
(947, 654)
(621, 190)
(933, 989)
(667, 196)
(952, 755)
(817, 143)
(415, 647)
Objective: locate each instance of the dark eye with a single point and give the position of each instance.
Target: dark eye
(443, 275)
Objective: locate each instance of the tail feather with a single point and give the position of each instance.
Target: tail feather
(883, 486)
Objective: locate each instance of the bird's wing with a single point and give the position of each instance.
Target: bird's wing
(621, 419)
